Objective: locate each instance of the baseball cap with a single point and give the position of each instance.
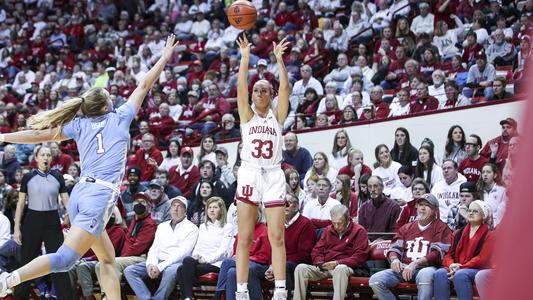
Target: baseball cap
(509, 121)
(182, 199)
(222, 150)
(134, 170)
(110, 69)
(187, 150)
(156, 183)
(262, 62)
(468, 187)
(429, 198)
(141, 196)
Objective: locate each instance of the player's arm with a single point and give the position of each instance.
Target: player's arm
(137, 97)
(34, 136)
(243, 106)
(284, 88)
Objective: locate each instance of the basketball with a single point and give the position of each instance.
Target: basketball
(242, 14)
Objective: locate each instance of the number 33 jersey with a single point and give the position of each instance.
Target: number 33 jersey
(262, 141)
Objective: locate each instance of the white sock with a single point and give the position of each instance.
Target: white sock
(279, 284)
(13, 279)
(242, 287)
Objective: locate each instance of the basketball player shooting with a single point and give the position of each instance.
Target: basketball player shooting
(260, 178)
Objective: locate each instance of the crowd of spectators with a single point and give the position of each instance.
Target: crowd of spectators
(349, 61)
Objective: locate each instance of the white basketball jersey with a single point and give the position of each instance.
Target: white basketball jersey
(262, 141)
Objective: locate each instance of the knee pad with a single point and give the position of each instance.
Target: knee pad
(64, 259)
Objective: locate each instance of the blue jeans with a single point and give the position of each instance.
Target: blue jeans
(9, 255)
(483, 279)
(462, 282)
(227, 279)
(136, 273)
(381, 282)
(203, 127)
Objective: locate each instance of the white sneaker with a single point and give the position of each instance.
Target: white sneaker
(242, 296)
(280, 295)
(3, 284)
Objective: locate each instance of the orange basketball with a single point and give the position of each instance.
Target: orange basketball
(242, 14)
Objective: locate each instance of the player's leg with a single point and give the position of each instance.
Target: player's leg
(247, 218)
(276, 235)
(77, 242)
(104, 250)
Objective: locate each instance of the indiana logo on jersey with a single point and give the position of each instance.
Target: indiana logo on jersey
(417, 249)
(262, 130)
(247, 192)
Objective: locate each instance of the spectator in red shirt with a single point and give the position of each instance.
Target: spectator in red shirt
(196, 72)
(497, 148)
(260, 48)
(423, 102)
(139, 236)
(210, 110)
(396, 69)
(471, 48)
(305, 15)
(60, 161)
(471, 166)
(263, 73)
(185, 175)
(381, 108)
(341, 252)
(283, 17)
(162, 124)
(355, 167)
(419, 187)
(148, 158)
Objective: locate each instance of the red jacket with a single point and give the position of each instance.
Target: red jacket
(164, 126)
(350, 249)
(283, 18)
(427, 104)
(139, 237)
(147, 170)
(503, 149)
(299, 240)
(116, 235)
(186, 181)
(480, 261)
(215, 108)
(260, 251)
(407, 215)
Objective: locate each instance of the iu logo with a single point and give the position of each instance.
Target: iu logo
(417, 249)
(247, 192)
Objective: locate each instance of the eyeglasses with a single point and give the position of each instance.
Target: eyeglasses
(473, 211)
(470, 144)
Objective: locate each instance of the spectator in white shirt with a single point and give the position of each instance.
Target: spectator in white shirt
(307, 81)
(201, 26)
(358, 24)
(386, 168)
(400, 105)
(382, 18)
(213, 246)
(339, 41)
(174, 240)
(157, 44)
(447, 189)
(341, 74)
(423, 23)
(183, 27)
(494, 194)
(437, 88)
(317, 210)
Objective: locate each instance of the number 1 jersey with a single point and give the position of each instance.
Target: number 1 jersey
(262, 141)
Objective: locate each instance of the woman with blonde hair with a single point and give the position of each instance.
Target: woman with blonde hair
(386, 168)
(102, 136)
(321, 168)
(214, 244)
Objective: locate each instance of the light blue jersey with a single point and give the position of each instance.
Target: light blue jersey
(103, 142)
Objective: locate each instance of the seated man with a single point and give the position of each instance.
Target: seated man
(415, 252)
(379, 213)
(318, 210)
(299, 240)
(139, 236)
(174, 240)
(341, 251)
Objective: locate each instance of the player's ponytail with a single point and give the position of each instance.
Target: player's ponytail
(90, 104)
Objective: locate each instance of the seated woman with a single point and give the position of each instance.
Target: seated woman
(259, 263)
(470, 252)
(213, 246)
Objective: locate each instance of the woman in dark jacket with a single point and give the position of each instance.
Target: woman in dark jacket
(402, 151)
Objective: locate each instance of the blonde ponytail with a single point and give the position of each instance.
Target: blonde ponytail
(90, 104)
(56, 117)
